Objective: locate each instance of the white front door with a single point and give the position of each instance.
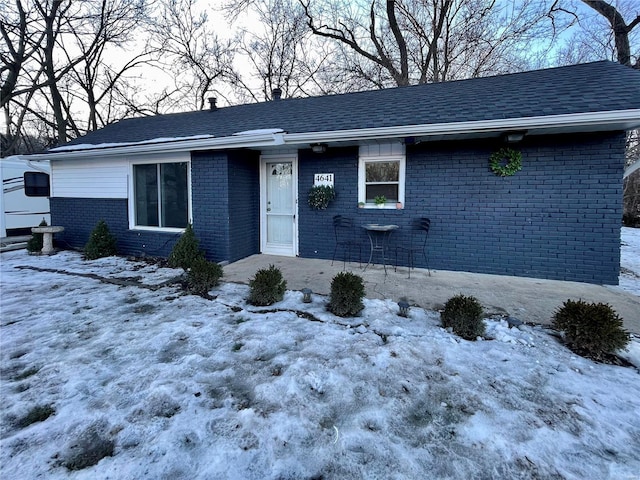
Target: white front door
(278, 225)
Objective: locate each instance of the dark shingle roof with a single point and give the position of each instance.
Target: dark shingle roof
(592, 87)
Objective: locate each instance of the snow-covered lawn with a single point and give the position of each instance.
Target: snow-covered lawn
(629, 279)
(180, 387)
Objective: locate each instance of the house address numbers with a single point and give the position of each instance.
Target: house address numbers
(323, 179)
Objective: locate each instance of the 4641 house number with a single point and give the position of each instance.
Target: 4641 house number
(323, 179)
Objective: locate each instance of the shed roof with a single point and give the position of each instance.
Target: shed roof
(602, 86)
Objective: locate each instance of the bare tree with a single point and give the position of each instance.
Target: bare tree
(280, 52)
(106, 26)
(58, 69)
(418, 41)
(598, 31)
(18, 46)
(198, 58)
(619, 28)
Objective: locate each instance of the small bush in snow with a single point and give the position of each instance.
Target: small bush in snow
(35, 242)
(101, 243)
(464, 316)
(186, 250)
(590, 329)
(203, 276)
(267, 287)
(347, 292)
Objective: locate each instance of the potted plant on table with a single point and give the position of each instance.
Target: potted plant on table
(380, 201)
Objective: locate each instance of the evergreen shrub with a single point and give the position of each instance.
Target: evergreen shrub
(186, 250)
(267, 287)
(464, 316)
(203, 276)
(591, 329)
(35, 242)
(101, 242)
(347, 292)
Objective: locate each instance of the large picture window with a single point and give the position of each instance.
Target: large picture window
(381, 175)
(161, 192)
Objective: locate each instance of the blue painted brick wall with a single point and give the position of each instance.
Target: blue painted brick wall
(244, 204)
(315, 227)
(210, 199)
(226, 203)
(79, 216)
(558, 218)
(219, 179)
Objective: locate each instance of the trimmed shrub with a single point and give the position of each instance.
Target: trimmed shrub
(591, 329)
(203, 276)
(101, 242)
(35, 242)
(186, 250)
(347, 292)
(267, 287)
(464, 316)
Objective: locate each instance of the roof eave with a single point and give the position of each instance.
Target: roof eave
(573, 122)
(235, 141)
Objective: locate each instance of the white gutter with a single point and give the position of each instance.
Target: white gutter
(618, 119)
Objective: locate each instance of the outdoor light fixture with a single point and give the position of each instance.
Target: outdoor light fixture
(513, 137)
(306, 295)
(404, 308)
(318, 147)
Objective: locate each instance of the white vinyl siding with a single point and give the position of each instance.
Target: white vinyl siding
(90, 179)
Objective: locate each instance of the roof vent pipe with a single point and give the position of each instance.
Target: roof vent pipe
(212, 103)
(276, 94)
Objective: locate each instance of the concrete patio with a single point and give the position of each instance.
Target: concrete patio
(530, 300)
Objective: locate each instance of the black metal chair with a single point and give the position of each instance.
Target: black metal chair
(417, 243)
(345, 239)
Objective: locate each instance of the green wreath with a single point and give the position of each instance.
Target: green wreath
(320, 196)
(513, 160)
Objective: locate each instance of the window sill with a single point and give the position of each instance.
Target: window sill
(385, 207)
(156, 229)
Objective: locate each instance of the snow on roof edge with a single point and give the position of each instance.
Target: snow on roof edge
(89, 146)
(260, 131)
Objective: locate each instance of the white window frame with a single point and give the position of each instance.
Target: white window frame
(155, 160)
(368, 155)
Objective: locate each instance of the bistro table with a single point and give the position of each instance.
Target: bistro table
(379, 239)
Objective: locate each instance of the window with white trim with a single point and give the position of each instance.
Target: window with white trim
(161, 194)
(381, 173)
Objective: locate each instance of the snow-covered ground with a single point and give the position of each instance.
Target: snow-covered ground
(187, 388)
(629, 279)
